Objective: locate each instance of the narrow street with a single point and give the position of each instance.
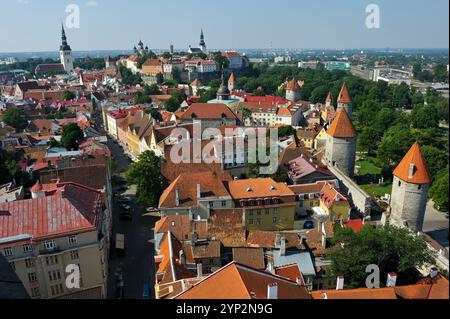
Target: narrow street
(137, 264)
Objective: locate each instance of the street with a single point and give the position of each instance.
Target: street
(137, 264)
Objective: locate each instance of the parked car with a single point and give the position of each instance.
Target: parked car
(126, 216)
(308, 225)
(124, 200)
(125, 207)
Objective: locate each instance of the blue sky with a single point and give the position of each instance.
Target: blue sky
(34, 25)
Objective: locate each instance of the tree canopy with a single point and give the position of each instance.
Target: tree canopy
(146, 174)
(15, 117)
(71, 136)
(391, 249)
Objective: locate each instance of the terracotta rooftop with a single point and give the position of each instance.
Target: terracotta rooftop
(243, 282)
(344, 96)
(208, 111)
(342, 126)
(182, 227)
(211, 185)
(252, 257)
(256, 188)
(72, 208)
(412, 168)
(227, 226)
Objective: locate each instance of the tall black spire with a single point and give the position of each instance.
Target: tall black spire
(202, 38)
(64, 45)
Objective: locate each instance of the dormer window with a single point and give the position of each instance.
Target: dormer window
(249, 190)
(411, 170)
(273, 188)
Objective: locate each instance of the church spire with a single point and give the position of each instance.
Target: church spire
(64, 45)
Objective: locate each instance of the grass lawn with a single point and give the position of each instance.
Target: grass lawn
(377, 190)
(369, 166)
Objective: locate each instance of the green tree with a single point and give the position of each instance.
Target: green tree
(439, 191)
(154, 113)
(425, 116)
(71, 136)
(435, 159)
(142, 98)
(175, 101)
(395, 144)
(221, 60)
(68, 95)
(15, 118)
(146, 174)
(440, 73)
(159, 78)
(391, 249)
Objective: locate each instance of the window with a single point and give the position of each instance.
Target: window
(250, 212)
(258, 212)
(211, 204)
(32, 277)
(224, 203)
(74, 254)
(57, 289)
(275, 210)
(275, 220)
(49, 244)
(250, 221)
(399, 183)
(51, 260)
(267, 211)
(259, 221)
(72, 240)
(27, 248)
(54, 275)
(35, 293)
(7, 251)
(29, 262)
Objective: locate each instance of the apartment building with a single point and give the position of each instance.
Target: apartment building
(62, 225)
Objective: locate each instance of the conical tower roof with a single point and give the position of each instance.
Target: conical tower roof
(412, 168)
(344, 96)
(231, 79)
(342, 126)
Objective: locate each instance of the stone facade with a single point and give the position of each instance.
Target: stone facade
(341, 153)
(408, 204)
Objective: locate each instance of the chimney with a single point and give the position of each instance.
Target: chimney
(324, 241)
(391, 279)
(199, 270)
(411, 170)
(283, 246)
(270, 267)
(199, 194)
(272, 291)
(182, 258)
(177, 198)
(340, 283)
(194, 238)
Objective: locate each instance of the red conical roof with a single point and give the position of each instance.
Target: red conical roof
(412, 168)
(344, 96)
(231, 79)
(342, 126)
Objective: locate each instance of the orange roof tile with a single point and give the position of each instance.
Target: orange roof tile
(242, 282)
(231, 79)
(257, 187)
(342, 126)
(344, 96)
(361, 293)
(413, 159)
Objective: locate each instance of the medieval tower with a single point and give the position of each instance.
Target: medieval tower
(293, 91)
(65, 53)
(340, 149)
(345, 101)
(410, 191)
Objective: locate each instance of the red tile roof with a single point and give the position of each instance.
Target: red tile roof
(355, 224)
(243, 282)
(342, 126)
(208, 111)
(413, 159)
(73, 208)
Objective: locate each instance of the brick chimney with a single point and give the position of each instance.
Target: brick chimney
(283, 246)
(272, 291)
(177, 198)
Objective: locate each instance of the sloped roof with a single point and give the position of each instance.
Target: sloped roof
(208, 111)
(243, 282)
(413, 158)
(72, 208)
(257, 187)
(342, 126)
(344, 96)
